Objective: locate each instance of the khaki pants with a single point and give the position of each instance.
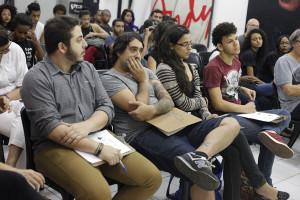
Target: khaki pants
(69, 170)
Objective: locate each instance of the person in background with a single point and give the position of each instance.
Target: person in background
(34, 11)
(27, 39)
(147, 35)
(7, 14)
(182, 82)
(65, 101)
(105, 18)
(221, 81)
(160, 29)
(16, 183)
(252, 57)
(98, 17)
(13, 69)
(128, 19)
(251, 24)
(118, 29)
(59, 9)
(282, 47)
(155, 14)
(287, 77)
(90, 30)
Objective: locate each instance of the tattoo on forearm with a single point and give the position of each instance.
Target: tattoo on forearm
(165, 103)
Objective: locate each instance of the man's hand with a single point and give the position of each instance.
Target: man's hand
(111, 155)
(250, 93)
(143, 111)
(148, 31)
(32, 177)
(212, 116)
(74, 133)
(4, 104)
(137, 70)
(249, 108)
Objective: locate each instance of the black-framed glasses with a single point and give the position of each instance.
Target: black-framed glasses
(3, 51)
(185, 45)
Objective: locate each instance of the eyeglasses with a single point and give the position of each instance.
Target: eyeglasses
(4, 51)
(186, 45)
(298, 41)
(284, 43)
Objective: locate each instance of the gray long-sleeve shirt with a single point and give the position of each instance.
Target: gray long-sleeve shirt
(51, 96)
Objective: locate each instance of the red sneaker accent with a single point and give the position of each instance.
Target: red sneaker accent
(275, 144)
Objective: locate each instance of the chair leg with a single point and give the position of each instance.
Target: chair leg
(185, 191)
(294, 135)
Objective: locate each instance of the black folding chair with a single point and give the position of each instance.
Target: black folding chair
(294, 123)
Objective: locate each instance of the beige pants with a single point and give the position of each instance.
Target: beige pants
(66, 168)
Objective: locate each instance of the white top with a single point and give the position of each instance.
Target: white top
(39, 30)
(12, 69)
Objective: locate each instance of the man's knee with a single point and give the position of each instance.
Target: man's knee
(151, 179)
(232, 123)
(101, 192)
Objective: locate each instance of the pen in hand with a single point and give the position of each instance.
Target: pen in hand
(121, 163)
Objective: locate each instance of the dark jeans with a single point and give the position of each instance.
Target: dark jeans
(252, 128)
(162, 150)
(264, 93)
(14, 186)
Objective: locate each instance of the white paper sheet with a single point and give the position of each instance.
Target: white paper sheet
(261, 116)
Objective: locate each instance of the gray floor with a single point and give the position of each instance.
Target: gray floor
(285, 175)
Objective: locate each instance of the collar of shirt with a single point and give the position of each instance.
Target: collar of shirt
(54, 69)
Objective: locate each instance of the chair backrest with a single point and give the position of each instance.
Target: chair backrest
(30, 157)
(199, 47)
(205, 56)
(275, 100)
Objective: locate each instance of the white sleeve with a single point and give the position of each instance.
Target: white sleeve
(21, 66)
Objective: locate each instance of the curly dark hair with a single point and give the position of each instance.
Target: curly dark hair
(169, 56)
(13, 12)
(222, 29)
(33, 7)
(58, 7)
(260, 55)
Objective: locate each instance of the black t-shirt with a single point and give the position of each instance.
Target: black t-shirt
(107, 29)
(154, 55)
(248, 58)
(266, 73)
(86, 31)
(29, 50)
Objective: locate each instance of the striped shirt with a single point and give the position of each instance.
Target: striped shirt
(195, 103)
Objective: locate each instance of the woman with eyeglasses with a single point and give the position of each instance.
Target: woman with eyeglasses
(12, 70)
(182, 82)
(282, 47)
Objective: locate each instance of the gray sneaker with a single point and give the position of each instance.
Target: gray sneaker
(198, 169)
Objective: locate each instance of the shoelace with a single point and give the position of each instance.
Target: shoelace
(208, 162)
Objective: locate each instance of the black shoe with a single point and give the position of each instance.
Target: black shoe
(198, 170)
(283, 195)
(280, 196)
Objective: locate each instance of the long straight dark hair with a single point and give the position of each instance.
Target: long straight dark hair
(169, 56)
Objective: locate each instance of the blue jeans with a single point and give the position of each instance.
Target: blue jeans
(251, 129)
(161, 149)
(264, 93)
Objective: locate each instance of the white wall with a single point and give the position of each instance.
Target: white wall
(229, 11)
(224, 10)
